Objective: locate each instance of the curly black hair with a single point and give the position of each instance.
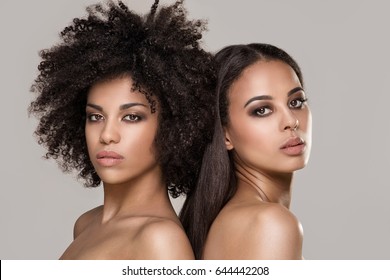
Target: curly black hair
(161, 52)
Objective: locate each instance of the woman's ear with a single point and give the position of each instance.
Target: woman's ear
(228, 141)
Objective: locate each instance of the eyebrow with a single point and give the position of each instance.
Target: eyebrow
(268, 97)
(122, 107)
(294, 90)
(129, 105)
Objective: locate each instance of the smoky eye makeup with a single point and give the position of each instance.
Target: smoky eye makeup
(297, 101)
(261, 109)
(297, 93)
(94, 117)
(133, 117)
(93, 112)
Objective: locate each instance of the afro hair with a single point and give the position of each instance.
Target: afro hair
(162, 54)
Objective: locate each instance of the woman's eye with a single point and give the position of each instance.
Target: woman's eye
(297, 103)
(95, 117)
(262, 111)
(132, 118)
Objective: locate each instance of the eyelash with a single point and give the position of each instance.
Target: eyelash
(97, 117)
(133, 118)
(90, 117)
(256, 112)
(301, 100)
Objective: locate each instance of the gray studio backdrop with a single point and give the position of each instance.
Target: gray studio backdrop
(342, 198)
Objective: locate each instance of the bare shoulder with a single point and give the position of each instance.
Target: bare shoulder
(275, 216)
(84, 220)
(273, 233)
(255, 231)
(276, 219)
(162, 238)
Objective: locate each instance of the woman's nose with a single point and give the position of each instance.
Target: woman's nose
(110, 133)
(290, 121)
(292, 125)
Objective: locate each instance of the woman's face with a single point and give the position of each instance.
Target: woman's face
(269, 127)
(120, 130)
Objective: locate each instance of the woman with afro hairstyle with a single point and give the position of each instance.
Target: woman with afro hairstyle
(262, 136)
(127, 100)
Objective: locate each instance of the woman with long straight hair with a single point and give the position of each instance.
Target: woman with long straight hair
(240, 208)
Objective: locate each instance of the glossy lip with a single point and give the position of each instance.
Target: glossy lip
(109, 158)
(293, 146)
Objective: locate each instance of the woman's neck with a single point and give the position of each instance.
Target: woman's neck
(142, 196)
(268, 186)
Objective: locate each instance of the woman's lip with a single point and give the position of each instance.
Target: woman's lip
(293, 146)
(108, 158)
(108, 154)
(109, 161)
(294, 150)
(291, 142)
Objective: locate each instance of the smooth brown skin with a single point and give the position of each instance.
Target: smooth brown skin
(137, 220)
(256, 223)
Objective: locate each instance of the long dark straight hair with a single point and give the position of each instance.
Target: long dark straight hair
(217, 180)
